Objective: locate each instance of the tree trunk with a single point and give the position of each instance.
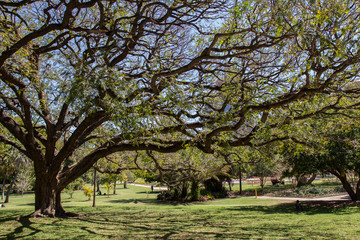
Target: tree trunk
(125, 184)
(114, 187)
(94, 192)
(48, 199)
(262, 184)
(357, 190)
(10, 186)
(347, 187)
(3, 188)
(240, 181)
(312, 178)
(184, 190)
(303, 181)
(98, 186)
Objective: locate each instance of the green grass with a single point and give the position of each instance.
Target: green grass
(134, 214)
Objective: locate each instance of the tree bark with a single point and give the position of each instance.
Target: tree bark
(46, 199)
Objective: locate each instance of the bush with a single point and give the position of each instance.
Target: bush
(339, 189)
(312, 190)
(215, 187)
(88, 192)
(317, 190)
(164, 196)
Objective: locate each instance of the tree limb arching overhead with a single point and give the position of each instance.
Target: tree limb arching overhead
(110, 76)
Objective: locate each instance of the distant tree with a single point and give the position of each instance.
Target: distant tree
(335, 151)
(342, 158)
(12, 163)
(184, 171)
(237, 171)
(7, 167)
(116, 167)
(115, 179)
(74, 186)
(303, 166)
(25, 178)
(124, 179)
(264, 163)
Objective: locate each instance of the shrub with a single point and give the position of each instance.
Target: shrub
(164, 196)
(312, 190)
(108, 187)
(88, 192)
(339, 189)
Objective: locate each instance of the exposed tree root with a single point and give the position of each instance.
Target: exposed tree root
(71, 215)
(38, 214)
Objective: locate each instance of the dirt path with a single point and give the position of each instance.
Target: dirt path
(148, 186)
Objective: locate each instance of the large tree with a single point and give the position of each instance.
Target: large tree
(162, 76)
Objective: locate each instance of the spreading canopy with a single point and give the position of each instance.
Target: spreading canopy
(163, 76)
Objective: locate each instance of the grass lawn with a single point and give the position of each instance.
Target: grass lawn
(134, 214)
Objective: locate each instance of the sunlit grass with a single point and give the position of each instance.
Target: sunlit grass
(134, 214)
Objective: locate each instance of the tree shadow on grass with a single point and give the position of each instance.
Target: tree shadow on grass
(10, 217)
(89, 231)
(149, 201)
(132, 227)
(123, 222)
(25, 224)
(26, 204)
(308, 208)
(200, 226)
